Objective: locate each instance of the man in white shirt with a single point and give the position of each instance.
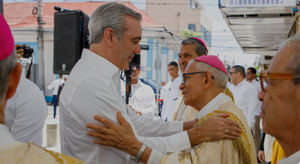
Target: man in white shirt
(171, 92)
(26, 112)
(281, 99)
(245, 94)
(93, 87)
(142, 99)
(54, 86)
(251, 78)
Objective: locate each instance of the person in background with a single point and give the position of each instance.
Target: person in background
(142, 99)
(171, 92)
(11, 150)
(54, 86)
(245, 95)
(251, 78)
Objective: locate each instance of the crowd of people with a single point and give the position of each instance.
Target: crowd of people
(209, 115)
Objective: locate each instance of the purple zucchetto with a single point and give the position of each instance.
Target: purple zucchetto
(213, 61)
(6, 39)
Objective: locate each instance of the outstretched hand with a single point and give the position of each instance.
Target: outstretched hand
(111, 134)
(215, 128)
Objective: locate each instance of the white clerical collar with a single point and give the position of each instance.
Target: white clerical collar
(213, 105)
(5, 136)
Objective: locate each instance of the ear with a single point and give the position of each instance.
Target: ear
(108, 36)
(208, 80)
(13, 80)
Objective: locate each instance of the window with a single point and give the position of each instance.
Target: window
(193, 4)
(192, 27)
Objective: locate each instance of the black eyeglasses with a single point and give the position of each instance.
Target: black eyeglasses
(186, 76)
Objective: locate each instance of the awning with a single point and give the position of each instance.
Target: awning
(259, 26)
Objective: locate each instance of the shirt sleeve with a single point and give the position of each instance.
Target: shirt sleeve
(253, 104)
(153, 128)
(173, 143)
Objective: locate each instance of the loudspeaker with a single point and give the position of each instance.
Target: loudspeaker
(70, 37)
(1, 7)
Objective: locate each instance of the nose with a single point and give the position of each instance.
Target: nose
(181, 86)
(137, 49)
(261, 95)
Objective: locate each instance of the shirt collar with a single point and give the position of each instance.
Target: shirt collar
(213, 105)
(98, 61)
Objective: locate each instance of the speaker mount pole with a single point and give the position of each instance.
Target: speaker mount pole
(40, 38)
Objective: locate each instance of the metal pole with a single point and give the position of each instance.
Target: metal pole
(40, 39)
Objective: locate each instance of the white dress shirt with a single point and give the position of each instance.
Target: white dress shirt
(256, 84)
(292, 159)
(93, 87)
(55, 86)
(170, 97)
(142, 98)
(245, 97)
(26, 112)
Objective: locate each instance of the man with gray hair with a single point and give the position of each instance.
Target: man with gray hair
(93, 87)
(204, 81)
(280, 111)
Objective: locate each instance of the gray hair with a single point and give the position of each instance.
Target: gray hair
(110, 15)
(6, 67)
(294, 63)
(200, 49)
(220, 78)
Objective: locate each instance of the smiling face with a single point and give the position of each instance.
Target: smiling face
(280, 109)
(192, 89)
(186, 54)
(129, 43)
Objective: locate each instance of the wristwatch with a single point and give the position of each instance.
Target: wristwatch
(139, 154)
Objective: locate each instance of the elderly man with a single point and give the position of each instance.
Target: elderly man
(93, 87)
(281, 99)
(12, 151)
(191, 48)
(204, 82)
